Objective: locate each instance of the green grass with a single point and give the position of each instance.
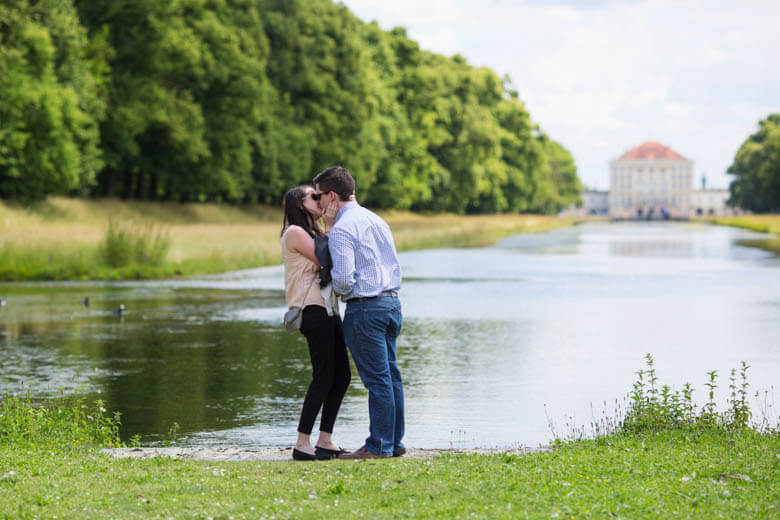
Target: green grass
(701, 464)
(759, 223)
(109, 239)
(655, 475)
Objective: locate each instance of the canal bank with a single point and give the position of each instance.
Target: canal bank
(769, 224)
(686, 472)
(110, 239)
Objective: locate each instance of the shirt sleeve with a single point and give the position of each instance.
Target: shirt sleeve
(342, 252)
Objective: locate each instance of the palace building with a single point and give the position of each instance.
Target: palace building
(650, 181)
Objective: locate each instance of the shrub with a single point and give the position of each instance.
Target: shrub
(57, 424)
(654, 409)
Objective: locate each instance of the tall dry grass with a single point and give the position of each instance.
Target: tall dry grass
(760, 223)
(64, 238)
(415, 231)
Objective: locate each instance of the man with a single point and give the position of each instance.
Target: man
(367, 274)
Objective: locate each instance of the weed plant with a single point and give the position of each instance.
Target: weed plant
(653, 407)
(59, 424)
(124, 245)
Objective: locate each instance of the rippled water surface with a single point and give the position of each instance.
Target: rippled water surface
(491, 337)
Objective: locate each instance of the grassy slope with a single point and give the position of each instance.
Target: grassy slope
(760, 223)
(59, 239)
(653, 475)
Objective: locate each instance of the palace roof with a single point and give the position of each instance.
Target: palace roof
(652, 150)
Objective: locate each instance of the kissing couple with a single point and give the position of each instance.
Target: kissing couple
(333, 248)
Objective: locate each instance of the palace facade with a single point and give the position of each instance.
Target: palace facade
(650, 181)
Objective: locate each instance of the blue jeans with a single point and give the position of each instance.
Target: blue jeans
(371, 329)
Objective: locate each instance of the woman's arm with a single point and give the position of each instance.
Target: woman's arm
(299, 240)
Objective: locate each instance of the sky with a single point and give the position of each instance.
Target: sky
(603, 76)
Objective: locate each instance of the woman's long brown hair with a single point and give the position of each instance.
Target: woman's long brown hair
(295, 213)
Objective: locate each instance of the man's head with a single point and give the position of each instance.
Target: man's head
(337, 181)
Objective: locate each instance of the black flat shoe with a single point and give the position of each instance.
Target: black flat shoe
(321, 455)
(331, 454)
(302, 455)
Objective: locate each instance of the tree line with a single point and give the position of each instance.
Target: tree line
(756, 168)
(238, 100)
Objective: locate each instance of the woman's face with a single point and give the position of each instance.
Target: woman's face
(311, 205)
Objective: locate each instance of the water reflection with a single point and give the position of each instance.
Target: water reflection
(490, 337)
(662, 248)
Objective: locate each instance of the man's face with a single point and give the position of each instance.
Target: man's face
(325, 198)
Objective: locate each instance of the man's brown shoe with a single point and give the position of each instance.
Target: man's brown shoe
(361, 453)
(400, 452)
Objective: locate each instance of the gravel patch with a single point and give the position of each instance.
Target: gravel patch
(272, 454)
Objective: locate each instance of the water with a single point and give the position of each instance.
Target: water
(491, 337)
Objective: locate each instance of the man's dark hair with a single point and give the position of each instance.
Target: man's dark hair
(336, 179)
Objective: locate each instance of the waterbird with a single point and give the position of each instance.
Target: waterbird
(85, 302)
(120, 311)
(2, 302)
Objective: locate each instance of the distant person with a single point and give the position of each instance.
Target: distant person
(367, 274)
(321, 325)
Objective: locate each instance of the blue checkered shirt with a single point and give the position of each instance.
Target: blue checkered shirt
(365, 262)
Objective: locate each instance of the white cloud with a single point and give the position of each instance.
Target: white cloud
(602, 76)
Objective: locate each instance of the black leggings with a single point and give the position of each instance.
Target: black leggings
(329, 367)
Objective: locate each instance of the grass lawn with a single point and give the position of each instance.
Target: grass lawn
(663, 460)
(666, 458)
(61, 238)
(653, 475)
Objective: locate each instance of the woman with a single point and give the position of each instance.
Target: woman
(321, 325)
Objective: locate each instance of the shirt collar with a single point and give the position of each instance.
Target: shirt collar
(349, 205)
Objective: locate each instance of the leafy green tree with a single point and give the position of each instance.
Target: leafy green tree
(320, 69)
(521, 151)
(559, 185)
(400, 157)
(187, 95)
(237, 100)
(52, 100)
(757, 169)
